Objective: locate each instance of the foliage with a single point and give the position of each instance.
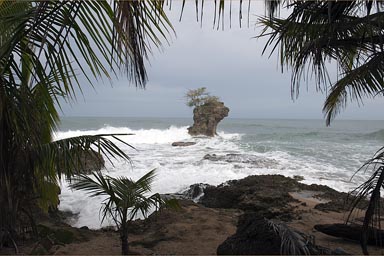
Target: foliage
(44, 47)
(370, 189)
(199, 96)
(125, 198)
(348, 32)
(292, 242)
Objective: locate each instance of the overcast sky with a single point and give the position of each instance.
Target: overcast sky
(229, 63)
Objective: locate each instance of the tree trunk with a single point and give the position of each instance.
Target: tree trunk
(124, 239)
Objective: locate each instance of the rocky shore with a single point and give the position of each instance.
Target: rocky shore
(230, 215)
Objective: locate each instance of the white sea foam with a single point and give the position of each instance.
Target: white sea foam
(179, 167)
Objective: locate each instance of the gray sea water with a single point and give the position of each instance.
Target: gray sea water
(307, 148)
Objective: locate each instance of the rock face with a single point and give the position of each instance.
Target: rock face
(206, 117)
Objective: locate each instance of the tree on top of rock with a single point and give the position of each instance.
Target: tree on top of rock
(207, 113)
(199, 96)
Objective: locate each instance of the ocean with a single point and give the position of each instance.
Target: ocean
(306, 148)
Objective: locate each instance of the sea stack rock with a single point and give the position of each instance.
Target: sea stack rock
(206, 117)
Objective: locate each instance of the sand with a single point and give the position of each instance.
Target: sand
(197, 230)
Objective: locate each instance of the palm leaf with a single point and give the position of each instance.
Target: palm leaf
(65, 154)
(292, 241)
(370, 189)
(319, 31)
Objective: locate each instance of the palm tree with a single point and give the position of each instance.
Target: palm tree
(316, 32)
(351, 34)
(125, 199)
(44, 47)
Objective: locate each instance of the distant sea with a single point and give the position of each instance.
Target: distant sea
(307, 148)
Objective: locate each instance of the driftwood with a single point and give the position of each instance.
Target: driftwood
(352, 232)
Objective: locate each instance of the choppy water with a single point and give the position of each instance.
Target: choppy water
(322, 155)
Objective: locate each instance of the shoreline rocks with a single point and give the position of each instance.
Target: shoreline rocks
(266, 197)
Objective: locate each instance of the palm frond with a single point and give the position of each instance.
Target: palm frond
(125, 198)
(370, 189)
(292, 241)
(65, 154)
(363, 81)
(317, 32)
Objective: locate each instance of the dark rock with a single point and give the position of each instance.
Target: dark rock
(195, 192)
(87, 162)
(258, 236)
(84, 228)
(91, 161)
(352, 232)
(256, 161)
(183, 144)
(253, 237)
(266, 194)
(206, 118)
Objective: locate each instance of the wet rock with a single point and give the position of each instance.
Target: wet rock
(206, 118)
(195, 192)
(268, 195)
(183, 144)
(256, 161)
(265, 194)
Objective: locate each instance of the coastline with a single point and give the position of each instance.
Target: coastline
(199, 228)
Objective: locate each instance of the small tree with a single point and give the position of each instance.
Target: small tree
(125, 199)
(199, 96)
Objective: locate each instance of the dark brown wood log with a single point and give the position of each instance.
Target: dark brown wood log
(352, 232)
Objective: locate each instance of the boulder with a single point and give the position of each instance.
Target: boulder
(265, 194)
(91, 161)
(195, 192)
(183, 144)
(206, 118)
(268, 195)
(256, 235)
(253, 237)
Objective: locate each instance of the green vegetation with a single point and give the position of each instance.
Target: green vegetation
(349, 33)
(44, 47)
(199, 96)
(125, 199)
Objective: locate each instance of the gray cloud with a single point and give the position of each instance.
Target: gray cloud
(229, 63)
